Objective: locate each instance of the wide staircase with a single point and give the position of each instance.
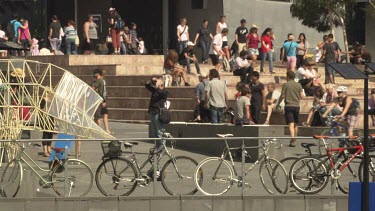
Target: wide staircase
(128, 100)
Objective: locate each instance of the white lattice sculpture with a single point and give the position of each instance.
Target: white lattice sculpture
(31, 97)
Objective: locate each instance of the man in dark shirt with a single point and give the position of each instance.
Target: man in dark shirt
(158, 99)
(241, 33)
(258, 97)
(187, 56)
(204, 35)
(329, 56)
(98, 86)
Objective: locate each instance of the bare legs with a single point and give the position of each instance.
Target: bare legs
(293, 128)
(269, 112)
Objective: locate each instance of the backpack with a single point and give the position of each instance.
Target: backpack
(10, 30)
(119, 24)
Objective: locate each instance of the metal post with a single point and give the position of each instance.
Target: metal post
(76, 11)
(365, 187)
(155, 166)
(242, 168)
(165, 26)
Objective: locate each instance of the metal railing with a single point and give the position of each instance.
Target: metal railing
(243, 139)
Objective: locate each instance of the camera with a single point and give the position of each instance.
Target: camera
(154, 82)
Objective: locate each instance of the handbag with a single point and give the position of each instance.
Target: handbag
(76, 41)
(164, 116)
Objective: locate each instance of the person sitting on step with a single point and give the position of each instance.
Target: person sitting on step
(187, 56)
(171, 67)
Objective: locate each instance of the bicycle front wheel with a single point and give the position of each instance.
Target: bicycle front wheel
(213, 176)
(116, 177)
(72, 178)
(309, 175)
(349, 174)
(273, 176)
(11, 179)
(177, 176)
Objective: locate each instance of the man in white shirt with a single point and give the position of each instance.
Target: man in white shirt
(243, 68)
(216, 48)
(182, 35)
(272, 99)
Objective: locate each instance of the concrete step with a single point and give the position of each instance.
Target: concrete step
(141, 91)
(142, 114)
(143, 103)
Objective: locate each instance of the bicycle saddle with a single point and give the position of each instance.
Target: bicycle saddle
(130, 144)
(57, 150)
(224, 135)
(307, 145)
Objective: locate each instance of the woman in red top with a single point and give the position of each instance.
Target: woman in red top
(253, 44)
(267, 48)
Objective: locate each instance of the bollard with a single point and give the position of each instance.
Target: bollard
(28, 185)
(155, 166)
(242, 168)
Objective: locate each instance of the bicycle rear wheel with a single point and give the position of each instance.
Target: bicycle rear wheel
(116, 177)
(309, 175)
(273, 176)
(371, 169)
(217, 179)
(177, 176)
(287, 163)
(11, 179)
(72, 178)
(349, 174)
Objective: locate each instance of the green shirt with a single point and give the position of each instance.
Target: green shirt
(292, 92)
(98, 84)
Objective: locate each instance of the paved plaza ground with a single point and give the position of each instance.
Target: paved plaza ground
(92, 154)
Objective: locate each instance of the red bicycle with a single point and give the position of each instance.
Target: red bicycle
(310, 175)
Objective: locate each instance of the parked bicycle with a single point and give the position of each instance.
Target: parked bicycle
(335, 129)
(220, 175)
(67, 177)
(119, 176)
(310, 174)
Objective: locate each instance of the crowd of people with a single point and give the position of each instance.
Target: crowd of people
(65, 39)
(303, 78)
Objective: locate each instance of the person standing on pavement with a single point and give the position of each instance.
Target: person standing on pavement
(291, 93)
(290, 49)
(203, 113)
(187, 56)
(204, 35)
(90, 35)
(12, 33)
(216, 97)
(158, 100)
(182, 35)
(133, 38)
(24, 36)
(216, 48)
(220, 26)
(258, 97)
(253, 44)
(329, 57)
(241, 33)
(104, 111)
(116, 25)
(55, 32)
(70, 38)
(99, 86)
(303, 47)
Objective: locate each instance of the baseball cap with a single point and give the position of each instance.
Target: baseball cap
(111, 9)
(341, 89)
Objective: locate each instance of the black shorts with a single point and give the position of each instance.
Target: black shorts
(225, 44)
(104, 111)
(98, 112)
(90, 46)
(291, 115)
(214, 59)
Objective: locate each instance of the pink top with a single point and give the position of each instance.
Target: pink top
(24, 33)
(253, 41)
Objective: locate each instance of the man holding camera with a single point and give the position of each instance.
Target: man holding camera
(158, 100)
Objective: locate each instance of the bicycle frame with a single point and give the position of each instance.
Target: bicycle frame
(227, 151)
(21, 159)
(341, 152)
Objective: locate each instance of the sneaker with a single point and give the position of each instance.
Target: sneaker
(187, 84)
(292, 143)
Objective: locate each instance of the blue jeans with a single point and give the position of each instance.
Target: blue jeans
(216, 114)
(13, 52)
(186, 62)
(334, 112)
(154, 129)
(270, 60)
(329, 71)
(205, 45)
(71, 47)
(182, 45)
(123, 48)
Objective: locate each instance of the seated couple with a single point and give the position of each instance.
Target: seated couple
(309, 78)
